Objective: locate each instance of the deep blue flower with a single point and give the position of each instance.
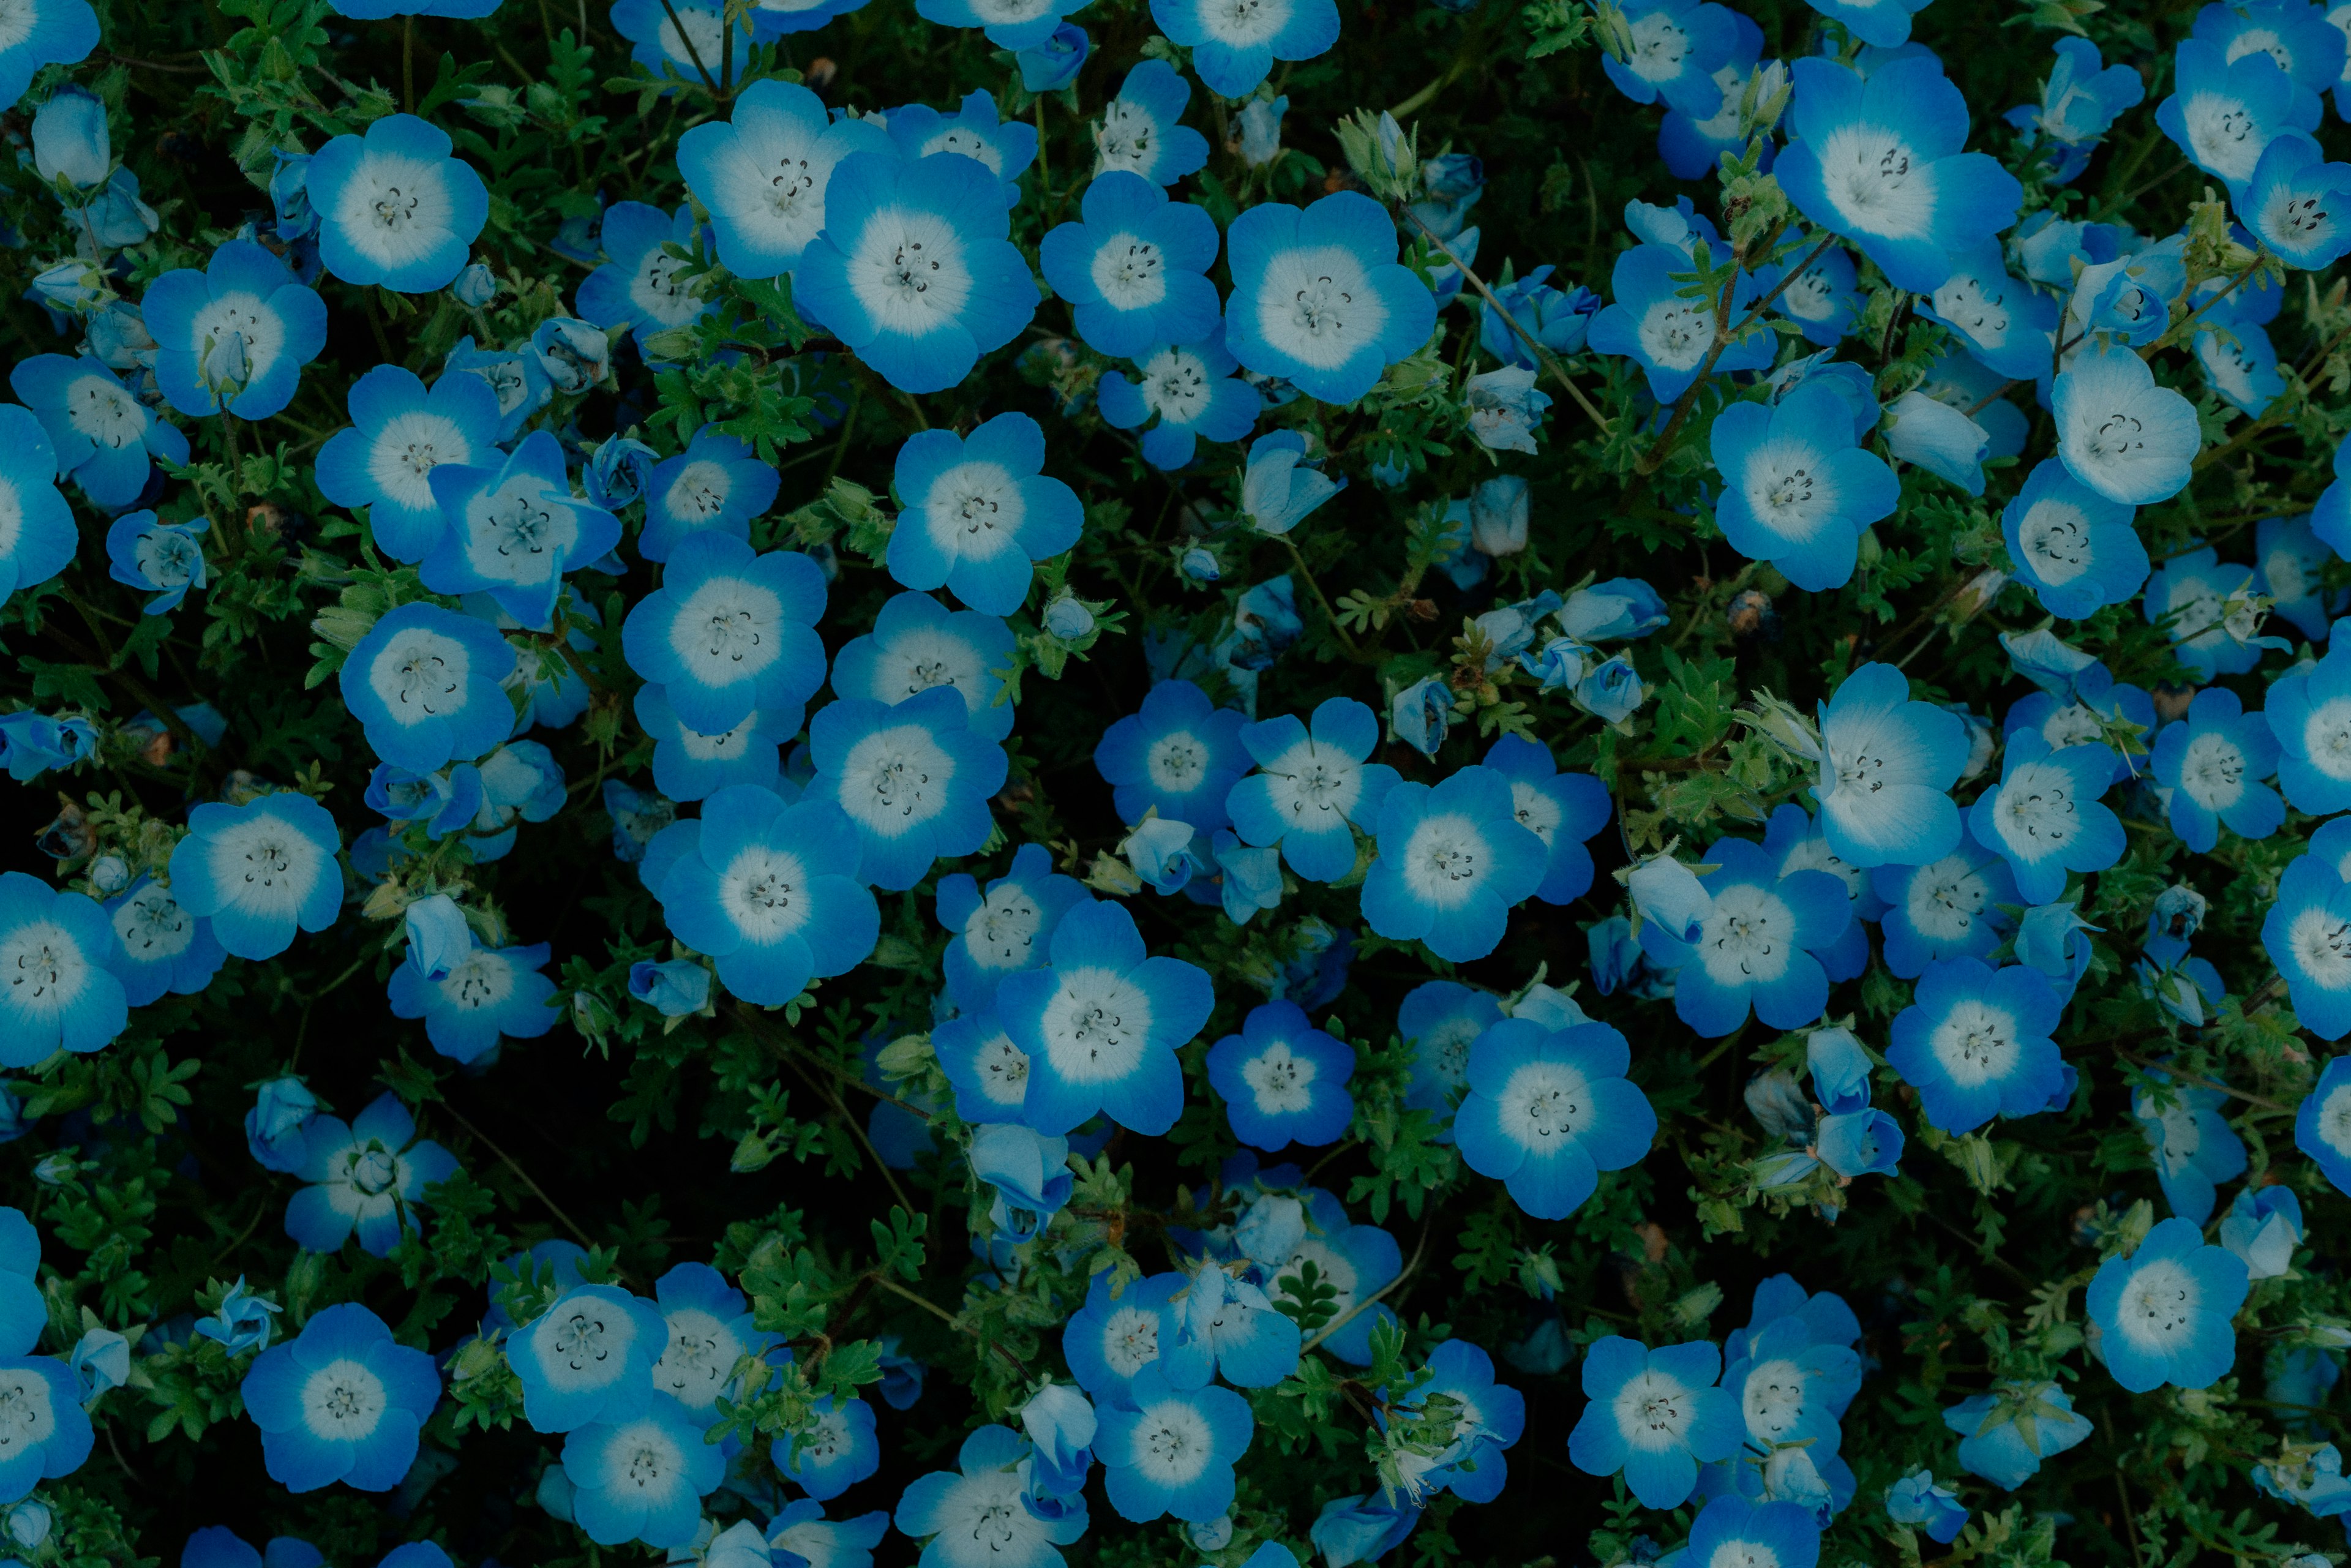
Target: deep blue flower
(1796, 491)
(2212, 763)
(1758, 944)
(976, 1519)
(1140, 131)
(274, 1128)
(1054, 63)
(1178, 754)
(770, 890)
(2005, 324)
(47, 32)
(762, 174)
(1676, 45)
(62, 956)
(913, 780)
(259, 869)
(1669, 336)
(1557, 319)
(1313, 787)
(1181, 392)
(1282, 1081)
(1919, 1499)
(2128, 300)
(1004, 929)
(399, 433)
(2165, 1310)
(514, 377)
(689, 765)
(1878, 160)
(2293, 201)
(1100, 1025)
(838, 1450)
(1822, 299)
(2079, 101)
(1317, 298)
(1975, 1044)
(1655, 1415)
(674, 989)
(2223, 111)
(1111, 1338)
(2192, 1145)
(1004, 147)
(2073, 546)
(234, 336)
(917, 643)
(393, 206)
(368, 1176)
(244, 1321)
(717, 484)
(1218, 1323)
(427, 685)
(341, 1402)
(1453, 861)
(1546, 1112)
(162, 558)
(728, 632)
(93, 430)
(979, 511)
(914, 270)
(513, 527)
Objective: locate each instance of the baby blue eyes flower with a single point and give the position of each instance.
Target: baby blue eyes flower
(243, 1323)
(2211, 610)
(1317, 298)
(976, 1519)
(674, 989)
(1796, 491)
(1282, 1081)
(2322, 1124)
(427, 687)
(1173, 1452)
(2073, 546)
(1220, 1324)
(2262, 1227)
(488, 993)
(1938, 438)
(638, 287)
(1453, 861)
(1182, 392)
(1556, 320)
(1107, 1340)
(1759, 942)
(2307, 934)
(2224, 113)
(514, 377)
(913, 780)
(1920, 1499)
(161, 559)
(1887, 766)
(2044, 816)
(763, 174)
(2005, 325)
(571, 355)
(2078, 104)
(1101, 1025)
(1312, 788)
(2118, 432)
(1140, 132)
(642, 1477)
(1013, 25)
(2193, 1147)
(588, 1358)
(1054, 64)
(1029, 1173)
(2005, 1435)
(834, 1454)
(1676, 47)
(2213, 764)
(1975, 1044)
(512, 528)
(45, 32)
(1669, 335)
(1441, 1019)
(661, 32)
(1278, 488)
(394, 207)
(2239, 363)
(1004, 929)
(770, 891)
(1234, 48)
(1656, 1415)
(259, 869)
(1547, 1112)
(689, 765)
(2294, 201)
(1732, 1529)
(979, 511)
(1004, 148)
(1132, 269)
(914, 270)
(97, 433)
(1177, 754)
(1878, 160)
(282, 1109)
(367, 1177)
(342, 1402)
(399, 433)
(235, 336)
(729, 633)
(1504, 408)
(2165, 1310)
(715, 484)
(58, 953)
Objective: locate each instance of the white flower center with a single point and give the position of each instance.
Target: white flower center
(1676, 333)
(1176, 764)
(1097, 1026)
(2326, 737)
(1130, 272)
(727, 631)
(1774, 1400)
(44, 965)
(1173, 1444)
(2037, 814)
(27, 1419)
(1945, 899)
(99, 409)
(1877, 182)
(700, 1358)
(1283, 1083)
(1176, 385)
(2320, 945)
(2158, 1305)
(896, 780)
(2226, 134)
(1749, 937)
(1131, 1340)
(1127, 139)
(1244, 22)
(1660, 44)
(2213, 771)
(152, 927)
(1545, 1104)
(909, 271)
(344, 1401)
(764, 892)
(974, 511)
(1445, 859)
(1003, 1070)
(2056, 536)
(1976, 1043)
(1001, 934)
(1654, 1411)
(1316, 304)
(420, 673)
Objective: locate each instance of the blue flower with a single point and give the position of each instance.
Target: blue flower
(1440, 1019)
(641, 1476)
(2289, 561)
(2307, 934)
(2165, 1310)
(2224, 113)
(1878, 160)
(729, 633)
(2044, 816)
(1178, 754)
(674, 989)
(1054, 64)
(770, 891)
(2005, 1435)
(636, 818)
(802, 1530)
(2005, 324)
(686, 38)
(1101, 1025)
(514, 377)
(638, 287)
(48, 32)
(1283, 1079)
(161, 559)
(2079, 102)
(1758, 944)
(914, 270)
(1676, 45)
(1669, 336)
(399, 434)
(833, 1453)
(1656, 1415)
(2118, 432)
(31, 744)
(234, 336)
(1112, 1337)
(715, 484)
(1975, 1044)
(2212, 764)
(282, 1111)
(588, 1357)
(1220, 1323)
(1187, 390)
(2193, 1147)
(97, 433)
(1279, 487)
(1822, 299)
(2073, 546)
(979, 511)
(259, 869)
(1839, 1067)
(1133, 269)
(2128, 300)
(1919, 1499)
(763, 175)
(1732, 1528)
(393, 208)
(1452, 862)
(2055, 939)
(1317, 298)
(1312, 784)
(243, 1323)
(341, 1402)
(2206, 604)
(691, 766)
(1796, 491)
(367, 1177)
(1016, 27)
(1063, 1425)
(2307, 708)
(1488, 1418)
(61, 956)
(1504, 408)
(1887, 766)
(1859, 1143)
(1005, 929)
(2292, 202)
(1028, 1172)
(913, 780)
(1174, 1451)
(976, 1518)
(1004, 147)
(427, 685)
(513, 528)
(1546, 1112)
(1140, 131)
(2262, 1227)
(1938, 438)
(1233, 51)
(917, 643)
(573, 355)
(491, 992)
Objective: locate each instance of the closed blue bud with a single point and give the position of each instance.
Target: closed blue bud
(100, 1359)
(1561, 662)
(1497, 516)
(1558, 320)
(1258, 132)
(477, 285)
(1279, 489)
(273, 1128)
(438, 936)
(1863, 1142)
(1613, 692)
(2047, 660)
(1160, 851)
(573, 355)
(1669, 895)
(1504, 409)
(2178, 915)
(1199, 564)
(1053, 65)
(1068, 619)
(2050, 937)
(69, 138)
(1420, 713)
(1031, 1173)
(1840, 1069)
(1350, 1529)
(618, 472)
(1252, 877)
(1265, 624)
(673, 989)
(1622, 606)
(1938, 438)
(1919, 1499)
(1061, 1421)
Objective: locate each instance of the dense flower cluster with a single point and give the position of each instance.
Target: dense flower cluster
(1277, 856)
